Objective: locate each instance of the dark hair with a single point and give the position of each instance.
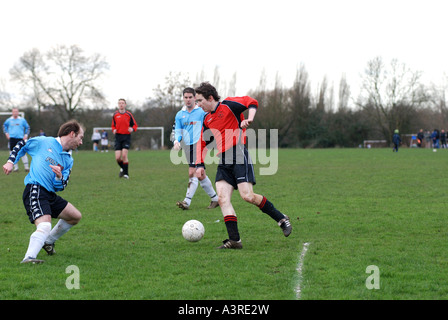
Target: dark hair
(207, 90)
(68, 127)
(189, 90)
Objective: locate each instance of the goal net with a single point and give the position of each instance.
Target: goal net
(143, 139)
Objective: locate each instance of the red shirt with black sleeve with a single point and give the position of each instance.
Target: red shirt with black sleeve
(123, 121)
(223, 125)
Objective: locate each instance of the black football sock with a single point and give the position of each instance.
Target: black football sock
(267, 207)
(120, 163)
(232, 227)
(125, 168)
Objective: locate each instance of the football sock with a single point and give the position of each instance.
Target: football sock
(125, 168)
(37, 239)
(25, 161)
(191, 189)
(120, 163)
(58, 231)
(267, 207)
(232, 227)
(206, 184)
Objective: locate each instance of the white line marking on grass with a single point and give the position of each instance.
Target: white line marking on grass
(300, 269)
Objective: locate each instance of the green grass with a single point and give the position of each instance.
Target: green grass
(354, 207)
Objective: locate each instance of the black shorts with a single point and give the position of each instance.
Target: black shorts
(190, 154)
(122, 141)
(13, 142)
(38, 202)
(237, 172)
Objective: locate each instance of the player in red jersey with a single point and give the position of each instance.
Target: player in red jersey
(225, 122)
(123, 124)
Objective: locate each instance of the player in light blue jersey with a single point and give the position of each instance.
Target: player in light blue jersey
(188, 127)
(16, 129)
(50, 171)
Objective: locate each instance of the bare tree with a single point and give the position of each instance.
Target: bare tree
(5, 97)
(391, 93)
(63, 77)
(344, 94)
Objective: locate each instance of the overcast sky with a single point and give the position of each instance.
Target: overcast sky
(144, 40)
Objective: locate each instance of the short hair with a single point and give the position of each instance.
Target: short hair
(68, 127)
(207, 90)
(189, 90)
(121, 99)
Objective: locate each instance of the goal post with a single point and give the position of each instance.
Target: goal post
(159, 129)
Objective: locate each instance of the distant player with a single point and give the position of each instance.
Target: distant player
(225, 122)
(16, 129)
(104, 141)
(123, 124)
(50, 171)
(188, 127)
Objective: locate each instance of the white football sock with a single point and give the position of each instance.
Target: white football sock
(37, 239)
(206, 184)
(191, 190)
(58, 231)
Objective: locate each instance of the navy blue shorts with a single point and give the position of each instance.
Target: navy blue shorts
(38, 202)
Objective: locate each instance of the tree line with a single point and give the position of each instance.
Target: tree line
(64, 83)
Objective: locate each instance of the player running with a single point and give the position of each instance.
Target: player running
(123, 124)
(50, 171)
(16, 129)
(225, 122)
(188, 126)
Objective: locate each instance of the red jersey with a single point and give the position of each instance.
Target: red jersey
(224, 123)
(123, 121)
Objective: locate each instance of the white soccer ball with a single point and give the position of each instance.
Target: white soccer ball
(193, 230)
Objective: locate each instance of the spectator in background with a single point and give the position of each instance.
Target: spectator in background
(420, 137)
(435, 136)
(396, 140)
(104, 141)
(443, 139)
(96, 137)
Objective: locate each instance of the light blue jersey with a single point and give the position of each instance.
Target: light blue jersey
(16, 128)
(188, 125)
(45, 151)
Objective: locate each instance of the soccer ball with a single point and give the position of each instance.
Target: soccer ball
(193, 230)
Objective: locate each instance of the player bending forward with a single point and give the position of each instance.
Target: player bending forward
(225, 122)
(50, 171)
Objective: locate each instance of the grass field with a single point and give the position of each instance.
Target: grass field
(354, 208)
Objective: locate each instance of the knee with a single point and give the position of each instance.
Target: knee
(248, 197)
(75, 218)
(223, 200)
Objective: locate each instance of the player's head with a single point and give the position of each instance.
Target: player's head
(74, 133)
(15, 112)
(121, 103)
(207, 96)
(189, 97)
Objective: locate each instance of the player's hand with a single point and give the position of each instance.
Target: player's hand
(114, 131)
(57, 171)
(130, 130)
(246, 123)
(7, 168)
(176, 146)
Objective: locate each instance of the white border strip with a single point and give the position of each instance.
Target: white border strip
(300, 269)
